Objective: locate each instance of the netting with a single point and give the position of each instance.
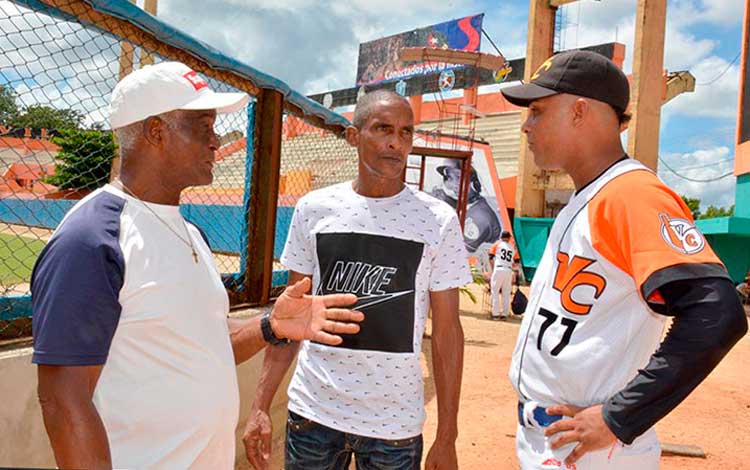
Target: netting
(56, 77)
(311, 158)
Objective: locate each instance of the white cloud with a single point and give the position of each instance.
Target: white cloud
(705, 167)
(715, 93)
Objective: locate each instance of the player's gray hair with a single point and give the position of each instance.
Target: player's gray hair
(127, 136)
(364, 106)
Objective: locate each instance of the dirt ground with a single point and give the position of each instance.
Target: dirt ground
(715, 417)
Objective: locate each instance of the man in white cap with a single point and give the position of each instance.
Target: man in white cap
(136, 355)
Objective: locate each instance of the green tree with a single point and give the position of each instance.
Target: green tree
(694, 204)
(39, 116)
(84, 159)
(712, 212)
(8, 107)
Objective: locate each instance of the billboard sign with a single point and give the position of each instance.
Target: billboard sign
(379, 59)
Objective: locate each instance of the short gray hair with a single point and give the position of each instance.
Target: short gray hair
(127, 136)
(364, 106)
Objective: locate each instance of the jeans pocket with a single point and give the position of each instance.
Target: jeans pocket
(298, 423)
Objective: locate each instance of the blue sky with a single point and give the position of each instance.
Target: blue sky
(313, 46)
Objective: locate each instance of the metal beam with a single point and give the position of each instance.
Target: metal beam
(264, 195)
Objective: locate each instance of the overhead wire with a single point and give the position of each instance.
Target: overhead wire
(694, 180)
(715, 79)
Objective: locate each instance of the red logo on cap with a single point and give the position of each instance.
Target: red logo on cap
(195, 80)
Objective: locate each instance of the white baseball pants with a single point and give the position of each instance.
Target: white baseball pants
(501, 281)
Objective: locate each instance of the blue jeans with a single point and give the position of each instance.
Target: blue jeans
(312, 446)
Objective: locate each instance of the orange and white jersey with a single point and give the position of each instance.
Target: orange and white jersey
(587, 329)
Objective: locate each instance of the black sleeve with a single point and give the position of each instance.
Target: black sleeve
(708, 321)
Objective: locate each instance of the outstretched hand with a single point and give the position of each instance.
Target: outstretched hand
(587, 428)
(298, 316)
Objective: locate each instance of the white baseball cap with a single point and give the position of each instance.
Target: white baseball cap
(163, 87)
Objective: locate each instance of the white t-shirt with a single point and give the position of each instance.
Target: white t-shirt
(504, 256)
(116, 287)
(390, 252)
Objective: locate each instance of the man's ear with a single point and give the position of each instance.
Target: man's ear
(352, 136)
(153, 130)
(581, 109)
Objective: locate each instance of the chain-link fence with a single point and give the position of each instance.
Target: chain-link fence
(311, 158)
(59, 61)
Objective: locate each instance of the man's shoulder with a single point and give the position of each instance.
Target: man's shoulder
(92, 221)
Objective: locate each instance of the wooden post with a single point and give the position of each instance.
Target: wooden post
(264, 195)
(648, 87)
(146, 58)
(540, 42)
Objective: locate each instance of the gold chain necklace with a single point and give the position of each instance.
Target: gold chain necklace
(188, 242)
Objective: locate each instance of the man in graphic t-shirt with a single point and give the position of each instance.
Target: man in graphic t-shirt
(402, 253)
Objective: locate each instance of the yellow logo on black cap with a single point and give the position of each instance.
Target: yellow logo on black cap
(546, 66)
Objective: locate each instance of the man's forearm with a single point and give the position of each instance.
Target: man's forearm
(276, 362)
(77, 435)
(709, 321)
(447, 363)
(246, 337)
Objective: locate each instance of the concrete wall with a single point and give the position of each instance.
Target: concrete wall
(24, 441)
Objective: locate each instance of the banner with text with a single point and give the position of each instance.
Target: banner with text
(379, 59)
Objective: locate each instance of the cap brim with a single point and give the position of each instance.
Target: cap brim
(221, 102)
(523, 95)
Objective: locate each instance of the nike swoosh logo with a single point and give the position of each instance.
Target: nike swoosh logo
(369, 301)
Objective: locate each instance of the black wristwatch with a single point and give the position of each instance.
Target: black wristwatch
(268, 334)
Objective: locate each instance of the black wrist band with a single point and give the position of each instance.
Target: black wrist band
(268, 334)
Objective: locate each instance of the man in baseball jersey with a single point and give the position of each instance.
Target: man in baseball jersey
(401, 252)
(620, 257)
(501, 255)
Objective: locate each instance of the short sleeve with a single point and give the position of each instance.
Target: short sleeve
(645, 229)
(450, 264)
(75, 290)
(493, 249)
(298, 252)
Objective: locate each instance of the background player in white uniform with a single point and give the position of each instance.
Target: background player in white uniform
(623, 251)
(502, 276)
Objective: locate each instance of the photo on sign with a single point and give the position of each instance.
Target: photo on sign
(486, 216)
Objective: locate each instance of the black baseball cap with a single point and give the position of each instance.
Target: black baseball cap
(582, 73)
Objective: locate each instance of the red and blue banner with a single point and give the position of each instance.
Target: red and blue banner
(379, 59)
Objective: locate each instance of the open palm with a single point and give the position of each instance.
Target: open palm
(298, 316)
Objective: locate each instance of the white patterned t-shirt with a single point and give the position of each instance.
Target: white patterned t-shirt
(390, 252)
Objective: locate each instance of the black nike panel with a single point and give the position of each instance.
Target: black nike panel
(381, 271)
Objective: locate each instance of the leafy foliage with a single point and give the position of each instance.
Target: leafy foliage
(84, 159)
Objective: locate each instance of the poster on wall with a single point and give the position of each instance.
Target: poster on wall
(486, 212)
(379, 59)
